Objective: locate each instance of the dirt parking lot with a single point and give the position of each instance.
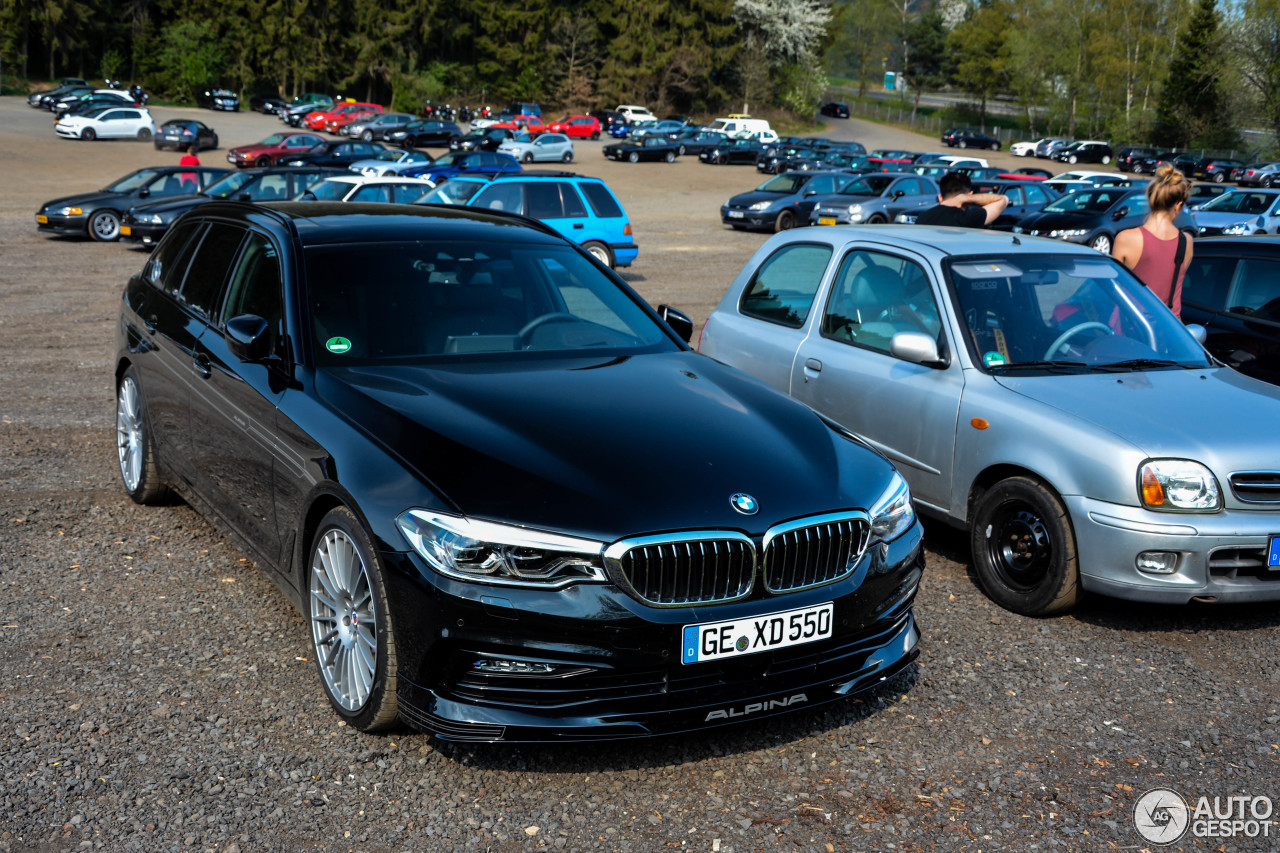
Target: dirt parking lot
(155, 692)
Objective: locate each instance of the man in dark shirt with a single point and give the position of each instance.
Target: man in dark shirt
(959, 205)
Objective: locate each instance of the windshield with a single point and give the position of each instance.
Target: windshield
(1240, 201)
(452, 192)
(132, 181)
(1087, 201)
(787, 183)
(225, 186)
(1059, 312)
(390, 155)
(425, 301)
(872, 185)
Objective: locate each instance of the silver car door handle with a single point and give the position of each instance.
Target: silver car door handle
(813, 364)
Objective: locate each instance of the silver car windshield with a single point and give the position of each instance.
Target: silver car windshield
(1068, 313)
(427, 301)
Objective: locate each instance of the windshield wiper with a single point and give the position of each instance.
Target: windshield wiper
(1065, 366)
(1140, 364)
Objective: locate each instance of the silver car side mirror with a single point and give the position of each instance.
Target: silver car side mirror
(1200, 333)
(915, 347)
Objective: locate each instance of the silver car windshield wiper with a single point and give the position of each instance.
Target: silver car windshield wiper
(1142, 364)
(1063, 366)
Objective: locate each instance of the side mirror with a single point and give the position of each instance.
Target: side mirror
(678, 321)
(1120, 214)
(248, 337)
(1200, 333)
(143, 193)
(244, 197)
(899, 193)
(916, 347)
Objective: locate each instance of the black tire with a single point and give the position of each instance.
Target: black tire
(785, 222)
(876, 219)
(995, 146)
(135, 451)
(1106, 159)
(567, 157)
(1024, 550)
(528, 157)
(367, 136)
(1073, 160)
(671, 157)
(722, 160)
(633, 157)
(1137, 170)
(88, 134)
(158, 145)
(963, 144)
(144, 134)
(104, 226)
(595, 134)
(348, 612)
(1218, 178)
(683, 151)
(600, 252)
(213, 146)
(262, 162)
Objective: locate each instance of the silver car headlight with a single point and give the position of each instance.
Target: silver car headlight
(487, 552)
(760, 205)
(1178, 485)
(1237, 228)
(893, 513)
(855, 209)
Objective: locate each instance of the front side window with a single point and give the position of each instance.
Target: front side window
(1207, 281)
(875, 296)
(504, 196)
(256, 287)
(203, 284)
(1256, 291)
(782, 289)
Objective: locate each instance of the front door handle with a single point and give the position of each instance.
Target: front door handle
(151, 323)
(203, 366)
(577, 225)
(813, 364)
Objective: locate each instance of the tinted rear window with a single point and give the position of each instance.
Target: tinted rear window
(601, 200)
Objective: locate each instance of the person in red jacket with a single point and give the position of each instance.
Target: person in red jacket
(191, 158)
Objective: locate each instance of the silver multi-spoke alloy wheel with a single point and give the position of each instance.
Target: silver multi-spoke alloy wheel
(129, 439)
(344, 623)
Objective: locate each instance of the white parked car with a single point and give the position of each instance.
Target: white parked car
(636, 113)
(957, 161)
(1025, 149)
(108, 123)
(390, 162)
(392, 190)
(549, 147)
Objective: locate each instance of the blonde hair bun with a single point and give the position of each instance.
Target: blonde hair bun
(1169, 189)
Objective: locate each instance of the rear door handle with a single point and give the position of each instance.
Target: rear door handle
(577, 225)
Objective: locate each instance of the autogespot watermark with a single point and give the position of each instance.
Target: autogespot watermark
(1162, 816)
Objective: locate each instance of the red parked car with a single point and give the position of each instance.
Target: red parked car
(316, 121)
(577, 127)
(335, 123)
(272, 149)
(532, 124)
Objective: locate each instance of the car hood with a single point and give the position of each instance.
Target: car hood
(1229, 427)
(90, 199)
(170, 203)
(748, 199)
(259, 149)
(1048, 221)
(608, 447)
(1221, 219)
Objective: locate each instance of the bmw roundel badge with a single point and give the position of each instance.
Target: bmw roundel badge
(744, 504)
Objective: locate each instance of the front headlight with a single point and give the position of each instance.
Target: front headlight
(855, 209)
(1237, 228)
(760, 205)
(487, 552)
(154, 219)
(70, 211)
(1068, 233)
(893, 513)
(1178, 485)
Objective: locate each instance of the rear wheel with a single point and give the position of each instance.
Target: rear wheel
(595, 134)
(1024, 551)
(1219, 178)
(144, 134)
(567, 157)
(1106, 158)
(600, 252)
(1137, 168)
(88, 134)
(138, 470)
(995, 146)
(104, 226)
(351, 628)
(963, 144)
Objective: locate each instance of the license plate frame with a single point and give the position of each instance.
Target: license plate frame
(826, 220)
(126, 230)
(734, 638)
(736, 214)
(42, 219)
(1273, 553)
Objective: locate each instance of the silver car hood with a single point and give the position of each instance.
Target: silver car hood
(1216, 416)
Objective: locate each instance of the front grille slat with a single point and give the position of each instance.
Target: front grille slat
(812, 552)
(1256, 486)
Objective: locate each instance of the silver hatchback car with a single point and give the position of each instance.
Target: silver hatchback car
(1032, 391)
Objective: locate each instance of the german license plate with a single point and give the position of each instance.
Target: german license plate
(736, 214)
(1273, 553)
(126, 230)
(826, 220)
(718, 640)
(42, 219)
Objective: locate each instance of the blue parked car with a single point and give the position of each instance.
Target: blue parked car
(582, 209)
(456, 163)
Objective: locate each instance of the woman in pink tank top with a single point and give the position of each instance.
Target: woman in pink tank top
(1150, 249)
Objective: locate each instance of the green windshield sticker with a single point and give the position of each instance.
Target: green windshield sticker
(337, 345)
(993, 359)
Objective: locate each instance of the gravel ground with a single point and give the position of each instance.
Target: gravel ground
(155, 693)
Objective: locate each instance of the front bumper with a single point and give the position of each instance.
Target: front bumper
(749, 218)
(59, 224)
(146, 233)
(1221, 556)
(618, 672)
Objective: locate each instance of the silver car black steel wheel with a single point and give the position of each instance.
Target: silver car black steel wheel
(344, 623)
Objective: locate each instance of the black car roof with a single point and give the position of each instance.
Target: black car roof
(327, 223)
